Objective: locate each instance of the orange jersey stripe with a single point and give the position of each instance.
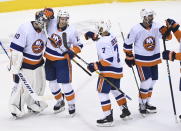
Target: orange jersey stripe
(112, 75)
(148, 63)
(31, 62)
(104, 63)
(52, 58)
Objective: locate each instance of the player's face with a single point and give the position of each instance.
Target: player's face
(148, 19)
(63, 21)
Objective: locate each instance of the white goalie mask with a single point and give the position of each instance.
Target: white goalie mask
(41, 20)
(103, 25)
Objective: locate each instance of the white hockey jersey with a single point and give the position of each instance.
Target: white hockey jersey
(30, 43)
(53, 52)
(108, 56)
(146, 44)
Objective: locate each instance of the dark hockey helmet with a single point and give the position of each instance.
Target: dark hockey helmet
(40, 19)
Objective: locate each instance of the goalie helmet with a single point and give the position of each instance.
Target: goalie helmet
(40, 19)
(146, 13)
(103, 25)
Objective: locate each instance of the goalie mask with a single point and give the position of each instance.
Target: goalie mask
(41, 20)
(103, 25)
(62, 18)
(147, 15)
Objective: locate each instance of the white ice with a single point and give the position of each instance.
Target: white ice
(87, 102)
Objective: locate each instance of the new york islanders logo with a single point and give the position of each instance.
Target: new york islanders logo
(38, 46)
(149, 43)
(56, 40)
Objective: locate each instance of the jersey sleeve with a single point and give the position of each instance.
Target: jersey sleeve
(19, 41)
(128, 45)
(77, 45)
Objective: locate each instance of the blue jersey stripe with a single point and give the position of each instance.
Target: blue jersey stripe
(147, 58)
(32, 56)
(16, 47)
(53, 52)
(109, 68)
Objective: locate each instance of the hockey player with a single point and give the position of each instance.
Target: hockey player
(58, 66)
(27, 49)
(145, 39)
(171, 55)
(110, 68)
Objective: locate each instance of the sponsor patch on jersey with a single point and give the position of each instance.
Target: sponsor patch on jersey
(149, 43)
(57, 40)
(38, 46)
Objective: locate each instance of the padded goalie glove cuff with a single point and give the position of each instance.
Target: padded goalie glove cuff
(169, 55)
(91, 35)
(130, 60)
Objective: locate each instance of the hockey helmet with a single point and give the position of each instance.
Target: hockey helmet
(103, 25)
(146, 13)
(40, 19)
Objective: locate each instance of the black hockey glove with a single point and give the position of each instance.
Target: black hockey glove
(168, 55)
(94, 66)
(70, 53)
(91, 35)
(130, 60)
(171, 23)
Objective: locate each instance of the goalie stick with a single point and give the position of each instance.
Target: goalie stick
(23, 79)
(64, 36)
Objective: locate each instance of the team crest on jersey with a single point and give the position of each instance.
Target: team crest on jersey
(56, 40)
(149, 43)
(38, 46)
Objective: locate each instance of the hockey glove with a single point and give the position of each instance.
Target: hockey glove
(70, 53)
(169, 55)
(91, 35)
(171, 23)
(165, 32)
(130, 60)
(94, 66)
(49, 13)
